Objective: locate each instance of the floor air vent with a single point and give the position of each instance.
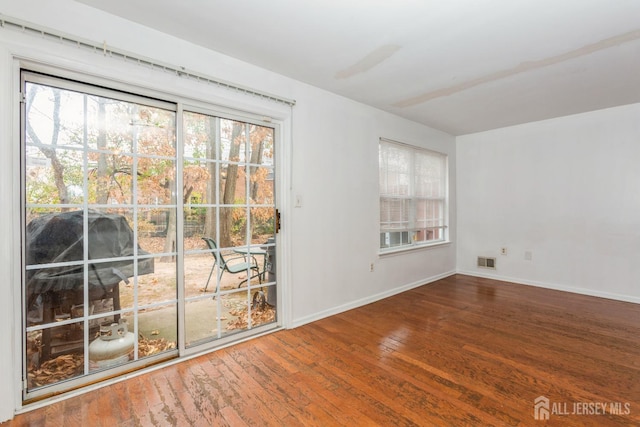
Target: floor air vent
(486, 262)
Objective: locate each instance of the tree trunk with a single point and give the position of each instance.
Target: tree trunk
(170, 243)
(228, 198)
(256, 159)
(210, 219)
(103, 178)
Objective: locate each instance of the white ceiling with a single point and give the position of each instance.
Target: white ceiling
(461, 66)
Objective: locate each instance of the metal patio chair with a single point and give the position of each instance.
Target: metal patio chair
(232, 265)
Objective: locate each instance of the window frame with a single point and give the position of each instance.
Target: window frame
(407, 236)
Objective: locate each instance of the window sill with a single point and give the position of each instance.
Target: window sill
(398, 251)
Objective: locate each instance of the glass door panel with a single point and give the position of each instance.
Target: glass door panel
(231, 232)
(100, 286)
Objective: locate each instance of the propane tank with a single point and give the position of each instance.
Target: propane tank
(112, 347)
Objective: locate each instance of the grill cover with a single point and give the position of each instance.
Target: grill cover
(58, 238)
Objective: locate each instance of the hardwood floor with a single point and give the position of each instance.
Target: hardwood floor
(460, 351)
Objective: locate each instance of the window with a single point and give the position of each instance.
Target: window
(413, 196)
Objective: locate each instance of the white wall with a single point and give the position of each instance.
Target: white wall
(565, 190)
(330, 160)
(336, 236)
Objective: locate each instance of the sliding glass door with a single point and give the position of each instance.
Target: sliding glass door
(149, 231)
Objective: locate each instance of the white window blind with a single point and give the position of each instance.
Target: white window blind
(413, 195)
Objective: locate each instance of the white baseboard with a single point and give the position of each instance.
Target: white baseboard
(557, 287)
(368, 300)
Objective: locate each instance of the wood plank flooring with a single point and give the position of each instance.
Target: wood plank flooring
(460, 351)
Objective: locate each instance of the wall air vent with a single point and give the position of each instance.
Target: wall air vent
(486, 262)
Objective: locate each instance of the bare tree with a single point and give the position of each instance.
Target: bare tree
(49, 150)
